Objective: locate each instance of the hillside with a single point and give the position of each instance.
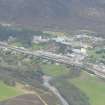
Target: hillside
(61, 14)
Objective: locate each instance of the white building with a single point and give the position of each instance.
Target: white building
(39, 39)
(80, 51)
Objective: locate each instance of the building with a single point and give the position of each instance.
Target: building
(39, 39)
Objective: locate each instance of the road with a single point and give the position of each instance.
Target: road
(46, 83)
(45, 55)
(57, 58)
(98, 69)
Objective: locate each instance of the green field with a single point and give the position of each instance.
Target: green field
(18, 44)
(54, 70)
(7, 91)
(92, 86)
(39, 46)
(96, 55)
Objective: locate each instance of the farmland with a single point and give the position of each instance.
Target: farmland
(54, 70)
(92, 86)
(7, 91)
(28, 99)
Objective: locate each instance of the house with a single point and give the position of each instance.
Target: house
(39, 39)
(80, 51)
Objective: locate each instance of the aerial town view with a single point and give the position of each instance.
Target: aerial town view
(52, 52)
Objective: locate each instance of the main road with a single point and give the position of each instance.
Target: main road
(45, 55)
(96, 69)
(47, 84)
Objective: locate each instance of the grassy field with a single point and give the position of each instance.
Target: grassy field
(18, 44)
(94, 55)
(39, 46)
(54, 70)
(7, 91)
(92, 86)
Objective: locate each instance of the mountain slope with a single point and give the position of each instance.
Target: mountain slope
(76, 14)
